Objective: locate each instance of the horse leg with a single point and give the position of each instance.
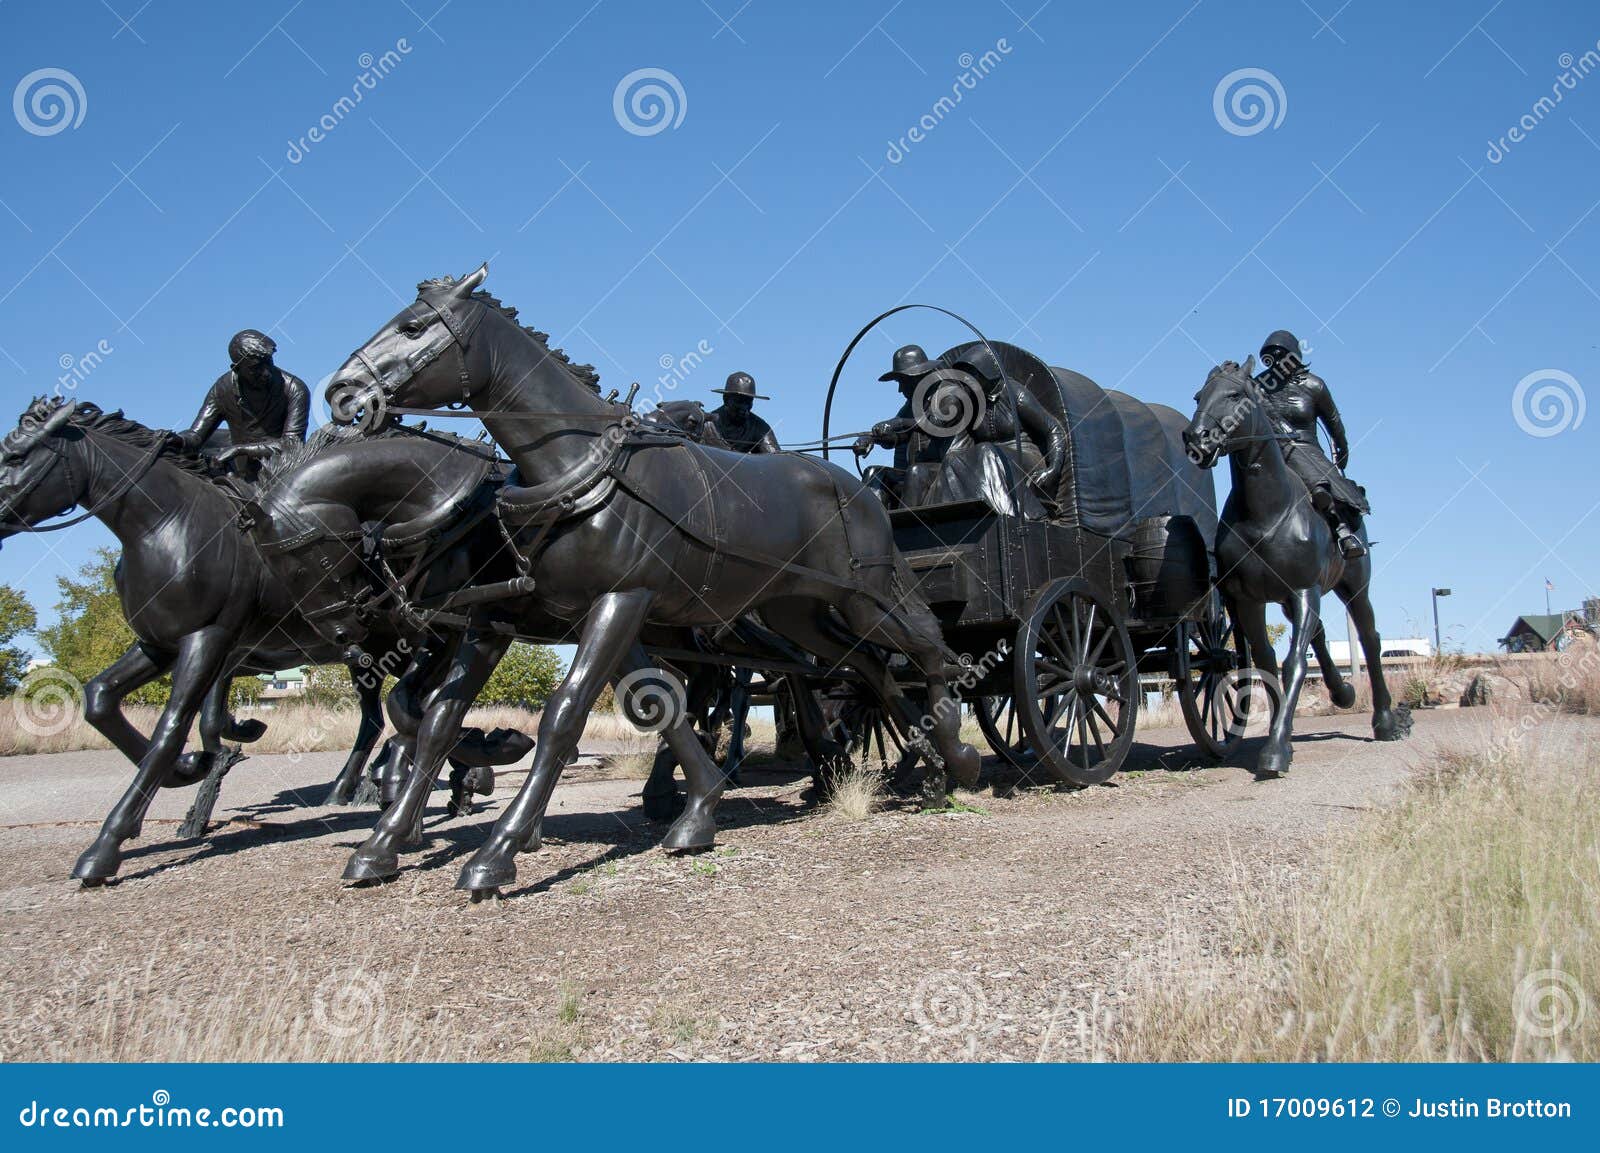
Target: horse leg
(739, 713)
(472, 660)
(200, 659)
(660, 794)
(696, 828)
(214, 760)
(1388, 722)
(825, 754)
(609, 631)
(105, 692)
(1341, 692)
(912, 629)
(1305, 617)
(405, 706)
(369, 692)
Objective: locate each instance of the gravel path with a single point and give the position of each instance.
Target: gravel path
(906, 936)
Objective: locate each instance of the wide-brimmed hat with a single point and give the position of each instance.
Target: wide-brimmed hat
(910, 362)
(740, 384)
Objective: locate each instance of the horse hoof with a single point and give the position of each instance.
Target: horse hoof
(97, 865)
(94, 882)
(187, 770)
(1344, 696)
(696, 829)
(1274, 763)
(663, 806)
(1392, 725)
(491, 867)
(370, 865)
(247, 731)
(966, 766)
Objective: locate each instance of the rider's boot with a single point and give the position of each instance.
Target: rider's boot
(1350, 545)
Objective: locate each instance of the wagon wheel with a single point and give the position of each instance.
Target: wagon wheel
(866, 733)
(1001, 724)
(1076, 683)
(1216, 715)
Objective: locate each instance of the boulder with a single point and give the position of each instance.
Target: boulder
(1486, 687)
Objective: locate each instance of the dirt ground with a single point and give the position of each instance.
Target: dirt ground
(998, 933)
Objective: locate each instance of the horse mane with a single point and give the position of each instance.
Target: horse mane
(584, 373)
(89, 417)
(282, 464)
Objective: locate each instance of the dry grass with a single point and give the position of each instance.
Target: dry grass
(1461, 924)
(292, 727)
(858, 792)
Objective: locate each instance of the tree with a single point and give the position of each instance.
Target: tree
(526, 676)
(16, 617)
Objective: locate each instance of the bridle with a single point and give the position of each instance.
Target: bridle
(118, 490)
(456, 332)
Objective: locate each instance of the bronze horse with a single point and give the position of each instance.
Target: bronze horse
(195, 590)
(627, 530)
(1274, 547)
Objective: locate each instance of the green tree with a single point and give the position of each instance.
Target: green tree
(16, 617)
(526, 676)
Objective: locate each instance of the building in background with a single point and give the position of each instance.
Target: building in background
(1551, 632)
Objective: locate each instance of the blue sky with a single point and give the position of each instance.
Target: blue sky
(1083, 199)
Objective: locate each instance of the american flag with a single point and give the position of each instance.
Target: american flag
(1548, 587)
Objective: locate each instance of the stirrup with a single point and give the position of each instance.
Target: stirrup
(1350, 546)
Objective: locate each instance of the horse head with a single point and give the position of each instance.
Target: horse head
(36, 479)
(423, 357)
(1227, 403)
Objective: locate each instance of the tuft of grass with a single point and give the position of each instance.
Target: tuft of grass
(1461, 924)
(857, 793)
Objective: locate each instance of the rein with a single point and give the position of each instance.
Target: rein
(118, 491)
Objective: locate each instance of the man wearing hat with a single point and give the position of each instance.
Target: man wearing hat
(917, 453)
(265, 408)
(735, 419)
(1298, 400)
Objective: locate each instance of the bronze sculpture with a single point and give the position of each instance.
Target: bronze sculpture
(1274, 547)
(199, 596)
(627, 530)
(918, 452)
(735, 419)
(264, 407)
(1298, 401)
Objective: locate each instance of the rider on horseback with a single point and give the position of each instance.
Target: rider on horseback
(264, 406)
(1298, 399)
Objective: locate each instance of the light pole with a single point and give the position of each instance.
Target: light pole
(1437, 593)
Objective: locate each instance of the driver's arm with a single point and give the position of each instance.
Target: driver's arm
(1048, 433)
(294, 421)
(206, 422)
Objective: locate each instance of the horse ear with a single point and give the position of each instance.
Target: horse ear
(1250, 365)
(472, 279)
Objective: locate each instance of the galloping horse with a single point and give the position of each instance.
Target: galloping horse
(196, 592)
(1274, 547)
(629, 529)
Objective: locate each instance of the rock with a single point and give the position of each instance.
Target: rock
(1486, 687)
